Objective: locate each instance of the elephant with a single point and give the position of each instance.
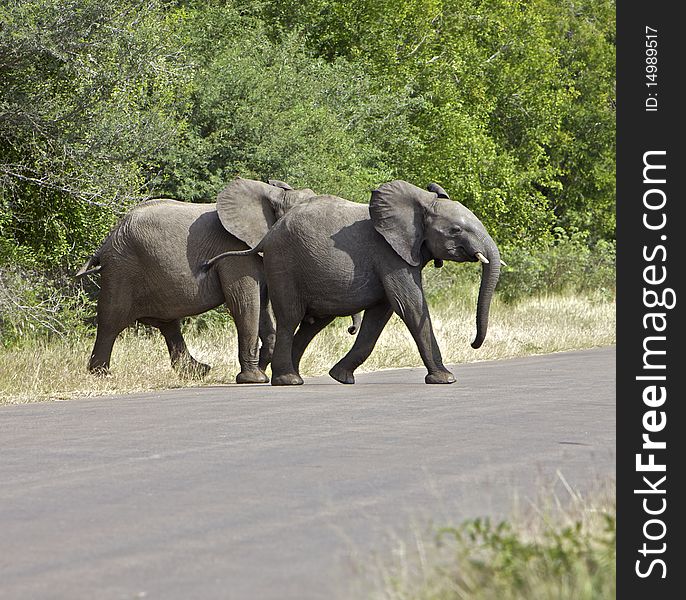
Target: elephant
(332, 257)
(150, 266)
(151, 272)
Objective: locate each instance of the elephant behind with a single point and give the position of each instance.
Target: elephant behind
(150, 266)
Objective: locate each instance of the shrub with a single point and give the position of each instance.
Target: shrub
(567, 264)
(33, 306)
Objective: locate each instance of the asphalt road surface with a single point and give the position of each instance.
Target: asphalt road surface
(254, 492)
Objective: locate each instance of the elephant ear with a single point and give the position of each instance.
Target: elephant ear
(397, 210)
(438, 190)
(280, 184)
(246, 209)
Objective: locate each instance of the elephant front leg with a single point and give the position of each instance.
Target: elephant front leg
(409, 303)
(373, 323)
(245, 310)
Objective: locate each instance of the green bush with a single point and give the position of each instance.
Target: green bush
(37, 307)
(570, 562)
(568, 264)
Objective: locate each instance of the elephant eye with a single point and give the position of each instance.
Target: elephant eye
(455, 230)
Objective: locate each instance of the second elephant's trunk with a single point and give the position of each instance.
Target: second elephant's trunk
(489, 277)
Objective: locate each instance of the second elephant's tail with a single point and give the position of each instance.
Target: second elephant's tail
(207, 265)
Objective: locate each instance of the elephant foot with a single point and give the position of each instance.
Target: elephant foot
(287, 379)
(252, 377)
(99, 370)
(440, 377)
(342, 375)
(191, 369)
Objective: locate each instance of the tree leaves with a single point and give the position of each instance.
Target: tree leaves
(509, 104)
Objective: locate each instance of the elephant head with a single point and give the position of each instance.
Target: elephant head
(248, 208)
(410, 219)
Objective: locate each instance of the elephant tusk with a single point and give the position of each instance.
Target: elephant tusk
(482, 258)
(503, 263)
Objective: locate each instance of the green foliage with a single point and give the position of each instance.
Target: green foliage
(570, 562)
(585, 147)
(509, 104)
(34, 307)
(569, 263)
(264, 109)
(514, 111)
(89, 97)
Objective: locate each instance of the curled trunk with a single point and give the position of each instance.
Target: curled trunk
(489, 277)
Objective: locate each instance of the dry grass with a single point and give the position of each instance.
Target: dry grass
(561, 546)
(56, 370)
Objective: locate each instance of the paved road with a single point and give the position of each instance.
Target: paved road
(253, 492)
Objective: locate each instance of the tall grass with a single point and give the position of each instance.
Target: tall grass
(557, 297)
(56, 368)
(559, 548)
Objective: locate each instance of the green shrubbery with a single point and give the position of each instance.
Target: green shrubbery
(507, 104)
(34, 306)
(569, 264)
(562, 553)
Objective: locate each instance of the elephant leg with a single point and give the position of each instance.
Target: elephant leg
(267, 333)
(244, 306)
(181, 359)
(113, 318)
(289, 313)
(304, 336)
(373, 322)
(414, 312)
(99, 363)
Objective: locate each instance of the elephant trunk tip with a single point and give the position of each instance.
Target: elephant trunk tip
(476, 344)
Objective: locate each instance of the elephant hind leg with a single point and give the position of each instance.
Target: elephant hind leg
(181, 359)
(242, 300)
(267, 332)
(306, 332)
(99, 363)
(289, 315)
(373, 323)
(113, 318)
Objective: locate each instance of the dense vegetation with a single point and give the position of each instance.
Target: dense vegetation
(509, 104)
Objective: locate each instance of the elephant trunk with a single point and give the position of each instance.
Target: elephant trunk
(490, 272)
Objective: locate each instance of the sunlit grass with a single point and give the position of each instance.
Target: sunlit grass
(57, 370)
(559, 546)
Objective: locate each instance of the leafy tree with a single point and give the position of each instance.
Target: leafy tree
(513, 106)
(270, 109)
(89, 96)
(585, 33)
(507, 103)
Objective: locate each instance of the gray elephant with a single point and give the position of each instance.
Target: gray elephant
(150, 267)
(331, 257)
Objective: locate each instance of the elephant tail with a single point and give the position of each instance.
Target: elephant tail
(355, 327)
(207, 265)
(92, 265)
